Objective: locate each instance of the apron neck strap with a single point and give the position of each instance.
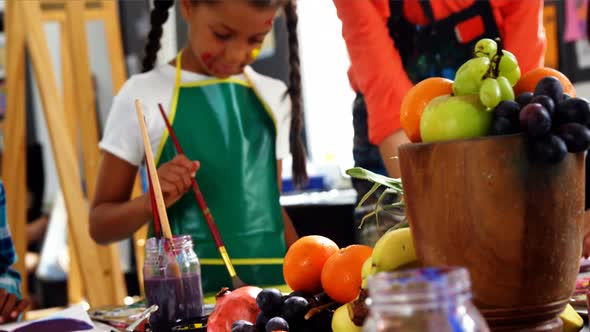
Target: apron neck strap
(428, 12)
(178, 67)
(179, 70)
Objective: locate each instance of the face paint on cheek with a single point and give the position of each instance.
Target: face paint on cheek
(255, 53)
(207, 58)
(269, 21)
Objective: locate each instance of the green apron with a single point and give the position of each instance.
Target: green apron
(229, 129)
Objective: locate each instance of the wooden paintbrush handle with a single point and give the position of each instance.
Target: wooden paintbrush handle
(149, 158)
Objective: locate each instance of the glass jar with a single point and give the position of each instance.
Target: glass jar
(172, 280)
(423, 300)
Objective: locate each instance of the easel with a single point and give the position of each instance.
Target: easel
(94, 269)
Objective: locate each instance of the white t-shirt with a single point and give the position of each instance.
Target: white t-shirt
(122, 135)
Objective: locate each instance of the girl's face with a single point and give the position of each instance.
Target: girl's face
(223, 35)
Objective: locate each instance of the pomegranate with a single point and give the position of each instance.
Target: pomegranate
(231, 306)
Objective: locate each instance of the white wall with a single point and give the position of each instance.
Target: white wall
(327, 94)
(52, 32)
(100, 66)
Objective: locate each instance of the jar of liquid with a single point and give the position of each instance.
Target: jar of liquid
(172, 280)
(423, 300)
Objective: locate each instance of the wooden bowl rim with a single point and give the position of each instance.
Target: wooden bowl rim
(408, 146)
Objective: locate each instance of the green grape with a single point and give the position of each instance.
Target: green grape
(506, 91)
(486, 48)
(489, 93)
(508, 62)
(512, 76)
(469, 76)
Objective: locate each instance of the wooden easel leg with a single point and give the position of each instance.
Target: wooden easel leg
(75, 287)
(14, 159)
(66, 162)
(115, 43)
(86, 106)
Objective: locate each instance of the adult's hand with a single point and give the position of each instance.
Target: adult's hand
(389, 152)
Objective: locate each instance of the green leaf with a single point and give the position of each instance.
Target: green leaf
(368, 194)
(403, 224)
(368, 215)
(363, 174)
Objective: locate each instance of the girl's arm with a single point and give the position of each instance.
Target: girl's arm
(113, 217)
(290, 232)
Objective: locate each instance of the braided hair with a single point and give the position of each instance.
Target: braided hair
(159, 15)
(295, 141)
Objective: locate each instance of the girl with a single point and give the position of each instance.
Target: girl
(235, 127)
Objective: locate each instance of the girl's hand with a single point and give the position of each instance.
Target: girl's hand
(175, 179)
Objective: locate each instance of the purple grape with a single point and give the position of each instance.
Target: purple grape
(535, 120)
(507, 109)
(550, 149)
(503, 126)
(524, 98)
(550, 86)
(573, 110)
(269, 301)
(546, 101)
(261, 320)
(277, 324)
(298, 293)
(294, 308)
(575, 136)
(242, 326)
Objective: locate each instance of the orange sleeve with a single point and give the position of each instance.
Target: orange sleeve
(523, 32)
(376, 64)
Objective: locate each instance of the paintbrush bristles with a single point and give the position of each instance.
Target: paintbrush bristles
(149, 157)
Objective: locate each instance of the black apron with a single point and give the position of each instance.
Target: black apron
(426, 51)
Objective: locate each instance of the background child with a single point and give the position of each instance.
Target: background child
(235, 127)
(11, 304)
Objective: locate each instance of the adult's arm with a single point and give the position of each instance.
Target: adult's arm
(378, 71)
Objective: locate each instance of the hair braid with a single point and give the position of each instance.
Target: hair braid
(158, 16)
(294, 92)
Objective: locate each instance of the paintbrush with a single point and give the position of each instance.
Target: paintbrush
(155, 217)
(161, 206)
(236, 281)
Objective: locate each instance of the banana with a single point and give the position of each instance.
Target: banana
(367, 271)
(368, 268)
(394, 250)
(572, 321)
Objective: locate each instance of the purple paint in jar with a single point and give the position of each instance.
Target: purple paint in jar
(179, 297)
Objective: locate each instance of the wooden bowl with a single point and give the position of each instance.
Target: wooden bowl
(515, 223)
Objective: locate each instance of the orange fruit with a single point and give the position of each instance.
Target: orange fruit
(528, 81)
(341, 276)
(416, 100)
(304, 261)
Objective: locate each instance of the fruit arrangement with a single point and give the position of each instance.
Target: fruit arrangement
(329, 284)
(489, 97)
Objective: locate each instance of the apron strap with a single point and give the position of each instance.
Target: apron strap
(178, 68)
(427, 8)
